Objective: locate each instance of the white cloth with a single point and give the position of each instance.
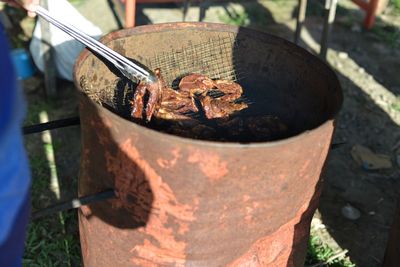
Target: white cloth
(65, 48)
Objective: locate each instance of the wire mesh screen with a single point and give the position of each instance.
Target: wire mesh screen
(213, 57)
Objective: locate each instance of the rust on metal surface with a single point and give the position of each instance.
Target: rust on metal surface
(185, 202)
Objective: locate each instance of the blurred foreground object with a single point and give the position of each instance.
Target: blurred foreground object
(14, 171)
(22, 63)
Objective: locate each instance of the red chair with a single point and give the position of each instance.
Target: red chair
(330, 10)
(130, 9)
(371, 7)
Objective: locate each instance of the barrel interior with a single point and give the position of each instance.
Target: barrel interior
(279, 79)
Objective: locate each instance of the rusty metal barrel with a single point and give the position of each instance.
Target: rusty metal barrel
(186, 202)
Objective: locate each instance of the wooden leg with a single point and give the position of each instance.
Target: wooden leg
(371, 13)
(130, 12)
(330, 11)
(186, 6)
(301, 15)
(50, 82)
(204, 4)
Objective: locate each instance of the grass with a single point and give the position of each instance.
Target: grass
(319, 254)
(76, 2)
(245, 15)
(396, 105)
(396, 4)
(389, 34)
(49, 245)
(233, 17)
(52, 240)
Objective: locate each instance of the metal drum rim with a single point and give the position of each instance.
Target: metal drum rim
(163, 27)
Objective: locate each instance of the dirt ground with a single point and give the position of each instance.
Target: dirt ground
(367, 64)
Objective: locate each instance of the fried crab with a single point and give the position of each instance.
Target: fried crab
(217, 98)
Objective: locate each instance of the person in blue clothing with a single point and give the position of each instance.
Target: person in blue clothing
(14, 168)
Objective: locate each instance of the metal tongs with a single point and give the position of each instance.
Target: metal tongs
(129, 69)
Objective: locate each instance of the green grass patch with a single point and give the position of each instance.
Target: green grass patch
(395, 4)
(52, 240)
(389, 34)
(235, 18)
(76, 2)
(48, 244)
(319, 254)
(32, 115)
(396, 105)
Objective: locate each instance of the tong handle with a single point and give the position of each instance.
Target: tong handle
(125, 66)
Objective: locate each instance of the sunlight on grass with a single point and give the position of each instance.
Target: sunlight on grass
(320, 254)
(234, 15)
(396, 104)
(380, 95)
(49, 152)
(396, 4)
(323, 251)
(390, 34)
(52, 240)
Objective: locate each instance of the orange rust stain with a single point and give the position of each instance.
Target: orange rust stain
(248, 210)
(165, 208)
(210, 164)
(107, 122)
(196, 201)
(275, 249)
(83, 238)
(248, 217)
(184, 228)
(86, 159)
(86, 211)
(154, 256)
(222, 218)
(282, 177)
(169, 163)
(304, 169)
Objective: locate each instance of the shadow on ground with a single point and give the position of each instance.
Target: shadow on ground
(362, 121)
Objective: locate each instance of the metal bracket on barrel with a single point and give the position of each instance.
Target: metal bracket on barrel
(74, 203)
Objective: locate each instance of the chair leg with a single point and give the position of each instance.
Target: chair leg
(50, 82)
(371, 13)
(330, 11)
(186, 6)
(204, 5)
(301, 15)
(130, 12)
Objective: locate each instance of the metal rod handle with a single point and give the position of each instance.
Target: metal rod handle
(41, 127)
(74, 203)
(127, 67)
